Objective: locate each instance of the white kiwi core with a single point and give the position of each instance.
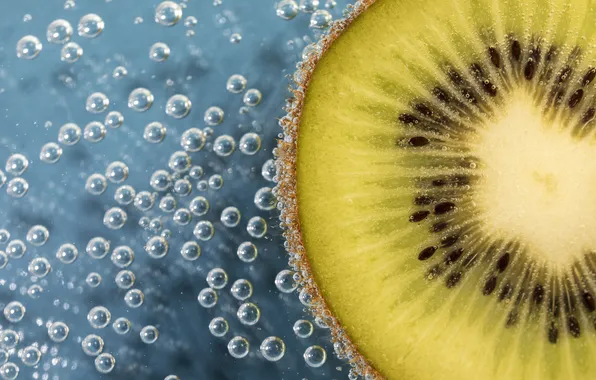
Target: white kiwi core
(539, 183)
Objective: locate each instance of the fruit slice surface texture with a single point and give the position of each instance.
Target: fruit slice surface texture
(446, 187)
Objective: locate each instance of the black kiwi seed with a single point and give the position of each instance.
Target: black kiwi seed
(419, 216)
(427, 253)
(538, 294)
(489, 286)
(553, 333)
(588, 115)
(506, 292)
(444, 207)
(453, 279)
(406, 118)
(440, 226)
(503, 262)
(495, 57)
(530, 69)
(448, 241)
(418, 141)
(515, 50)
(454, 256)
(574, 328)
(576, 98)
(589, 302)
(589, 77)
(423, 109)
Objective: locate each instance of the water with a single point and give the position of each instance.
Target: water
(99, 69)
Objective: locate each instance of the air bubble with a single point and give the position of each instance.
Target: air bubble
(190, 251)
(71, 52)
(149, 334)
(117, 172)
(114, 119)
(122, 256)
(98, 247)
(168, 13)
(207, 298)
(3, 259)
(121, 326)
(35, 291)
(217, 278)
(315, 356)
(157, 247)
(124, 195)
(115, 218)
(218, 327)
(154, 132)
(250, 143)
(9, 339)
(224, 145)
(203, 230)
(238, 347)
(230, 217)
(28, 47)
(38, 235)
(178, 106)
(199, 206)
(119, 72)
(93, 279)
(59, 31)
(284, 281)
(241, 289)
(67, 253)
(248, 314)
(144, 201)
(179, 162)
(159, 52)
(30, 356)
(16, 249)
(134, 298)
(235, 38)
(50, 153)
(94, 132)
(320, 19)
(99, 317)
(69, 134)
(247, 252)
(96, 184)
(167, 204)
(9, 371)
(39, 267)
(213, 116)
(303, 328)
(216, 182)
(309, 6)
(160, 180)
(105, 363)
(273, 348)
(236, 83)
(140, 99)
(4, 236)
(16, 164)
(182, 216)
(17, 187)
(190, 21)
(256, 227)
(90, 26)
(92, 345)
(252, 97)
(287, 9)
(14, 311)
(58, 332)
(192, 140)
(269, 170)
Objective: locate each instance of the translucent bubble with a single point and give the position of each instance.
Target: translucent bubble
(252, 97)
(59, 31)
(58, 332)
(247, 252)
(305, 297)
(217, 278)
(149, 334)
(16, 164)
(269, 170)
(98, 247)
(195, 172)
(160, 180)
(94, 132)
(303, 328)
(238, 347)
(117, 172)
(134, 298)
(214, 116)
(30, 356)
(179, 162)
(125, 279)
(256, 227)
(14, 311)
(144, 201)
(168, 13)
(218, 327)
(207, 298)
(264, 199)
(155, 225)
(287, 9)
(182, 217)
(124, 195)
(114, 119)
(28, 47)
(9, 371)
(235, 38)
(178, 106)
(273, 348)
(115, 218)
(182, 187)
(35, 291)
(99, 317)
(224, 145)
(248, 314)
(203, 230)
(3, 259)
(39, 267)
(320, 19)
(154, 132)
(50, 153)
(230, 217)
(241, 289)
(309, 6)
(96, 184)
(121, 326)
(71, 52)
(38, 235)
(159, 52)
(192, 140)
(92, 345)
(144, 222)
(69, 134)
(105, 363)
(284, 281)
(16, 249)
(93, 279)
(250, 143)
(140, 99)
(67, 253)
(119, 72)
(157, 247)
(190, 21)
(122, 256)
(4, 236)
(90, 26)
(9, 339)
(167, 204)
(315, 356)
(216, 182)
(199, 206)
(190, 251)
(236, 83)
(202, 185)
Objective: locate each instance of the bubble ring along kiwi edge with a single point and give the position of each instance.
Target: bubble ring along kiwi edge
(286, 154)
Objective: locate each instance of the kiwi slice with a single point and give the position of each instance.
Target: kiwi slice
(438, 183)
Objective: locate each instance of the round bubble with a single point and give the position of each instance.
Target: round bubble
(115, 218)
(303, 328)
(93, 279)
(195, 172)
(190, 21)
(168, 13)
(160, 180)
(250, 143)
(92, 345)
(9, 339)
(179, 162)
(105, 363)
(69, 134)
(35, 291)
(238, 347)
(114, 119)
(264, 199)
(157, 247)
(122, 256)
(168, 204)
(134, 298)
(252, 97)
(125, 279)
(213, 116)
(97, 102)
(67, 253)
(30, 356)
(96, 184)
(217, 278)
(121, 326)
(216, 182)
(190, 250)
(241, 289)
(309, 6)
(28, 47)
(287, 9)
(98, 247)
(39, 267)
(140, 99)
(236, 83)
(90, 26)
(154, 132)
(182, 217)
(248, 314)
(99, 317)
(16, 249)
(117, 172)
(273, 348)
(9, 371)
(269, 170)
(235, 38)
(284, 281)
(204, 230)
(144, 201)
(58, 331)
(94, 132)
(159, 52)
(14, 311)
(247, 252)
(71, 52)
(320, 19)
(16, 164)
(224, 145)
(256, 227)
(50, 153)
(192, 140)
(178, 106)
(119, 72)
(38, 235)
(207, 298)
(149, 334)
(230, 217)
(315, 356)
(218, 327)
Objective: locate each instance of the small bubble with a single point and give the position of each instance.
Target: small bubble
(149, 334)
(124, 195)
(16, 164)
(235, 38)
(248, 314)
(330, 4)
(134, 298)
(230, 217)
(92, 345)
(67, 253)
(264, 199)
(50, 153)
(98, 247)
(182, 216)
(90, 26)
(190, 251)
(273, 348)
(179, 162)
(113, 120)
(190, 21)
(309, 6)
(105, 363)
(14, 311)
(315, 356)
(69, 134)
(140, 99)
(252, 97)
(303, 328)
(9, 371)
(4, 236)
(192, 140)
(39, 267)
(99, 317)
(119, 72)
(93, 279)
(238, 347)
(94, 132)
(195, 172)
(157, 247)
(154, 132)
(217, 278)
(236, 83)
(218, 327)
(9, 339)
(320, 19)
(284, 281)
(203, 230)
(121, 326)
(17, 187)
(207, 298)
(224, 145)
(125, 279)
(28, 47)
(287, 9)
(115, 218)
(168, 204)
(213, 116)
(168, 13)
(178, 106)
(216, 182)
(117, 172)
(96, 184)
(241, 289)
(269, 170)
(59, 31)
(16, 249)
(247, 252)
(30, 356)
(199, 206)
(58, 332)
(250, 143)
(256, 227)
(159, 52)
(144, 201)
(3, 259)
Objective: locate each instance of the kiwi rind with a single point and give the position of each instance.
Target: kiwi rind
(286, 191)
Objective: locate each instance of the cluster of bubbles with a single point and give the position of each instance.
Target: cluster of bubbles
(171, 192)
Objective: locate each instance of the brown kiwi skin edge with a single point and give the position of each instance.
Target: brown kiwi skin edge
(285, 160)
